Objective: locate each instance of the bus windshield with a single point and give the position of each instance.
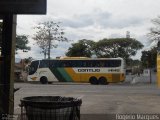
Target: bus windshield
(33, 67)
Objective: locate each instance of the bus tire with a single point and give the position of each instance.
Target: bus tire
(44, 80)
(93, 80)
(102, 81)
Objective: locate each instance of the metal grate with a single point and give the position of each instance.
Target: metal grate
(64, 109)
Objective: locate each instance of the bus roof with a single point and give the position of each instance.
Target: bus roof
(74, 58)
(87, 58)
(82, 58)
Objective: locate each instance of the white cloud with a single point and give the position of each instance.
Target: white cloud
(94, 20)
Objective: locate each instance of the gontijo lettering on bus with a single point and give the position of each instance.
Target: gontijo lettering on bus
(88, 70)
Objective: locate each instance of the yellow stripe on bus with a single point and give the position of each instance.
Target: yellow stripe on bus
(84, 77)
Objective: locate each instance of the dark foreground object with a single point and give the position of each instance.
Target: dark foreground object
(50, 108)
(16, 89)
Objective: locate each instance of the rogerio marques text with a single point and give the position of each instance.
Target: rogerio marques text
(137, 117)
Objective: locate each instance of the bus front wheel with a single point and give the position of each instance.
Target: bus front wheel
(103, 81)
(93, 80)
(44, 80)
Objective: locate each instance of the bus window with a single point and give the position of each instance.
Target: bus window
(113, 63)
(79, 63)
(57, 63)
(66, 63)
(52, 63)
(101, 63)
(33, 67)
(44, 64)
(76, 63)
(84, 63)
(117, 63)
(94, 63)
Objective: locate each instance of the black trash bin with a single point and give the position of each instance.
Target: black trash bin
(50, 108)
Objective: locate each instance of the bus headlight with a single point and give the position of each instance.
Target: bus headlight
(34, 78)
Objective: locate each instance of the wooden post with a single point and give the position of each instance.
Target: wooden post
(7, 68)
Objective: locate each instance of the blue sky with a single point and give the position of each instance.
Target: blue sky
(93, 20)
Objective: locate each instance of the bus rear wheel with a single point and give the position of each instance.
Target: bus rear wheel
(93, 80)
(103, 81)
(44, 80)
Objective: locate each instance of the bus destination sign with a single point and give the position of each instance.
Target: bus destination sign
(23, 6)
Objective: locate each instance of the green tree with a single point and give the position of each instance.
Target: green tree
(82, 48)
(148, 58)
(28, 60)
(48, 33)
(135, 62)
(117, 47)
(154, 34)
(21, 43)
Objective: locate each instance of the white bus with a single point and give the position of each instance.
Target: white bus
(78, 69)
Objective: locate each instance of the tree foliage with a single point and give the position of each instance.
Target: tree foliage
(48, 33)
(82, 48)
(148, 58)
(28, 60)
(155, 31)
(117, 47)
(21, 43)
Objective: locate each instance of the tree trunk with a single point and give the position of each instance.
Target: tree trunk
(49, 47)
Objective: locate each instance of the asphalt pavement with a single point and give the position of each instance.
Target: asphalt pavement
(111, 100)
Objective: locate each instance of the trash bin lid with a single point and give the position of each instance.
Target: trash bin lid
(50, 101)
